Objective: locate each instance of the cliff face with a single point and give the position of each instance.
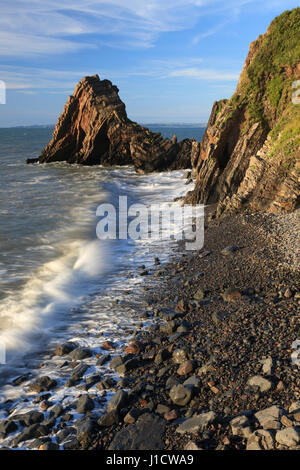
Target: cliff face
(94, 129)
(249, 155)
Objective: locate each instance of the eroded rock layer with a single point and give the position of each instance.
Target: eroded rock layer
(249, 155)
(94, 129)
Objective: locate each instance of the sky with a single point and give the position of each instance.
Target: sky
(171, 59)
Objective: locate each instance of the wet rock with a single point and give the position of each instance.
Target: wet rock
(145, 434)
(181, 395)
(6, 428)
(49, 446)
(127, 366)
(84, 404)
(86, 430)
(27, 419)
(65, 434)
(108, 345)
(118, 401)
(42, 384)
(78, 372)
(133, 348)
(80, 353)
(179, 356)
(197, 423)
(56, 411)
(103, 359)
(288, 437)
(33, 431)
(65, 348)
(109, 418)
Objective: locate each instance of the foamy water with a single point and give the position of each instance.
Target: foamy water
(59, 282)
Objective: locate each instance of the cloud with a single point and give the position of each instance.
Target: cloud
(204, 74)
(38, 27)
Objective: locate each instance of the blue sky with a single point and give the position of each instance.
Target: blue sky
(171, 59)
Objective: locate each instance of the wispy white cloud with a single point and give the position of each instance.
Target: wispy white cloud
(54, 27)
(204, 74)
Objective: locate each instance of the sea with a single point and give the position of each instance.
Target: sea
(58, 281)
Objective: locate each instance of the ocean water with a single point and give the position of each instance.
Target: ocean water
(58, 281)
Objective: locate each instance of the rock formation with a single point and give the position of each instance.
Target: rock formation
(94, 129)
(249, 155)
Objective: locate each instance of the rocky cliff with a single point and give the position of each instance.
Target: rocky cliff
(249, 155)
(94, 129)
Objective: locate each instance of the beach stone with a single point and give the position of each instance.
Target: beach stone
(181, 394)
(161, 356)
(162, 409)
(185, 368)
(86, 429)
(192, 446)
(65, 434)
(79, 371)
(240, 426)
(199, 294)
(84, 404)
(263, 384)
(268, 365)
(27, 419)
(49, 446)
(192, 381)
(56, 411)
(295, 406)
(42, 384)
(268, 415)
(206, 369)
(171, 415)
(127, 366)
(197, 423)
(145, 434)
(108, 345)
(80, 353)
(132, 416)
(133, 348)
(118, 401)
(179, 356)
(288, 437)
(6, 428)
(115, 362)
(229, 250)
(103, 359)
(108, 419)
(65, 348)
(231, 295)
(31, 432)
(261, 440)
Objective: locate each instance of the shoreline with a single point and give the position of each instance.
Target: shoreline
(220, 339)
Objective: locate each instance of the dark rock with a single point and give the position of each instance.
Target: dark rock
(108, 419)
(42, 384)
(80, 353)
(84, 404)
(118, 401)
(145, 434)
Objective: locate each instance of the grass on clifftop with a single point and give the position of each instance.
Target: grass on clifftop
(267, 85)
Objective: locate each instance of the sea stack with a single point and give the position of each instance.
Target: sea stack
(94, 130)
